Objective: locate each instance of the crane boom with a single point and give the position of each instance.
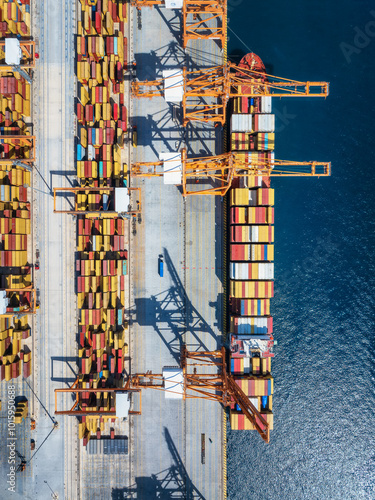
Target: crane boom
(205, 376)
(222, 169)
(207, 91)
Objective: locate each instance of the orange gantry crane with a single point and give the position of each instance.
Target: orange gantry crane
(206, 92)
(98, 201)
(201, 19)
(220, 171)
(26, 53)
(17, 55)
(204, 376)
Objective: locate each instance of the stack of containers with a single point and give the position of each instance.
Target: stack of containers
(101, 112)
(14, 360)
(15, 272)
(15, 18)
(102, 254)
(101, 267)
(251, 269)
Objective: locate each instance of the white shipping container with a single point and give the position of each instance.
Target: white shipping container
(241, 123)
(265, 271)
(254, 234)
(266, 104)
(255, 402)
(243, 271)
(266, 123)
(258, 324)
(246, 365)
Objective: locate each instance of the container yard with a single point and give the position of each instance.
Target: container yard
(137, 245)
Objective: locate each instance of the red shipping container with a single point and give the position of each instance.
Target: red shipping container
(27, 369)
(244, 104)
(98, 22)
(237, 252)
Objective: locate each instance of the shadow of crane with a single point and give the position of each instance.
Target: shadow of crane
(168, 484)
(172, 314)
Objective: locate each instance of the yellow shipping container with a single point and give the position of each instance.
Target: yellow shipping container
(100, 48)
(81, 430)
(106, 111)
(255, 365)
(109, 23)
(239, 196)
(80, 302)
(8, 372)
(99, 78)
(26, 107)
(98, 112)
(80, 170)
(84, 137)
(114, 283)
(120, 47)
(85, 98)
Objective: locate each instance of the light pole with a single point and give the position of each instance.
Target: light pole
(54, 495)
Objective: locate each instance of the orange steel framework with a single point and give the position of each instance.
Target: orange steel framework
(30, 310)
(222, 169)
(220, 83)
(201, 19)
(91, 190)
(79, 411)
(19, 140)
(217, 386)
(27, 58)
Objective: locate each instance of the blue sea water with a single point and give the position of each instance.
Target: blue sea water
(323, 444)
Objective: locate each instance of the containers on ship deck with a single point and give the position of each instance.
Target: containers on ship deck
(250, 307)
(257, 158)
(251, 270)
(248, 365)
(239, 252)
(239, 422)
(249, 123)
(251, 325)
(266, 104)
(256, 386)
(252, 197)
(265, 141)
(251, 234)
(251, 289)
(251, 215)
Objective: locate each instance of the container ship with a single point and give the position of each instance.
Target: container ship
(251, 251)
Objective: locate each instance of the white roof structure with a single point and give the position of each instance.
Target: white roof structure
(174, 4)
(172, 168)
(122, 404)
(173, 85)
(122, 200)
(4, 301)
(13, 52)
(173, 383)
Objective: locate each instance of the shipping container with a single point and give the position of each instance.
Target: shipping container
(251, 325)
(251, 289)
(251, 270)
(254, 234)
